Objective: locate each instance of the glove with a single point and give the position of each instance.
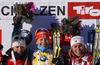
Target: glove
(1, 46)
(56, 61)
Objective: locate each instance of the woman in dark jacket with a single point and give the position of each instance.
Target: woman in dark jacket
(17, 54)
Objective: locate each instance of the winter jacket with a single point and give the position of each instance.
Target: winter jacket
(44, 58)
(85, 60)
(19, 60)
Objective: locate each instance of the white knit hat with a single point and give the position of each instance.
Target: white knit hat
(18, 40)
(77, 39)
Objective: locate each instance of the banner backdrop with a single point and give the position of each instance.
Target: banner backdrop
(47, 12)
(0, 36)
(85, 10)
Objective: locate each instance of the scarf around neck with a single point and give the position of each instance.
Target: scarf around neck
(42, 48)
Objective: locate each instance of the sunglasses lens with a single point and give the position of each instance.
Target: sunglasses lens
(16, 38)
(42, 29)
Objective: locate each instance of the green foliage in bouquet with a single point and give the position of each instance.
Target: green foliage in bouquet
(71, 26)
(25, 11)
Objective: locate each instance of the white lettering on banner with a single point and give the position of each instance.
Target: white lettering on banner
(95, 12)
(87, 10)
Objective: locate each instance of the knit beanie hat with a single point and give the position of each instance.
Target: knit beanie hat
(18, 40)
(77, 39)
(41, 33)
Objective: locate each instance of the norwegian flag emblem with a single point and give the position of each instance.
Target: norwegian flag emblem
(75, 40)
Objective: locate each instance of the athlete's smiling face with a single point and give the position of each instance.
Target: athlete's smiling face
(78, 49)
(19, 49)
(43, 42)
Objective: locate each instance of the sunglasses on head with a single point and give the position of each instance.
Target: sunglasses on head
(18, 37)
(41, 29)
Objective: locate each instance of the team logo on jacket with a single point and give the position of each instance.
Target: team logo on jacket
(43, 58)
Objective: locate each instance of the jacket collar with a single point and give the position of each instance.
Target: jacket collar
(75, 56)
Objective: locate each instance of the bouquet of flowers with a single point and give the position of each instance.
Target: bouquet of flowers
(71, 26)
(25, 11)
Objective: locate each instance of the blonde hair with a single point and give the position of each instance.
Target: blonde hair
(70, 51)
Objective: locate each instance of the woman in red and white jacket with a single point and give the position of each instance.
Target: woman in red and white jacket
(17, 54)
(78, 53)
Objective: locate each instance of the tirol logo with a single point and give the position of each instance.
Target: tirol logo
(85, 10)
(0, 36)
